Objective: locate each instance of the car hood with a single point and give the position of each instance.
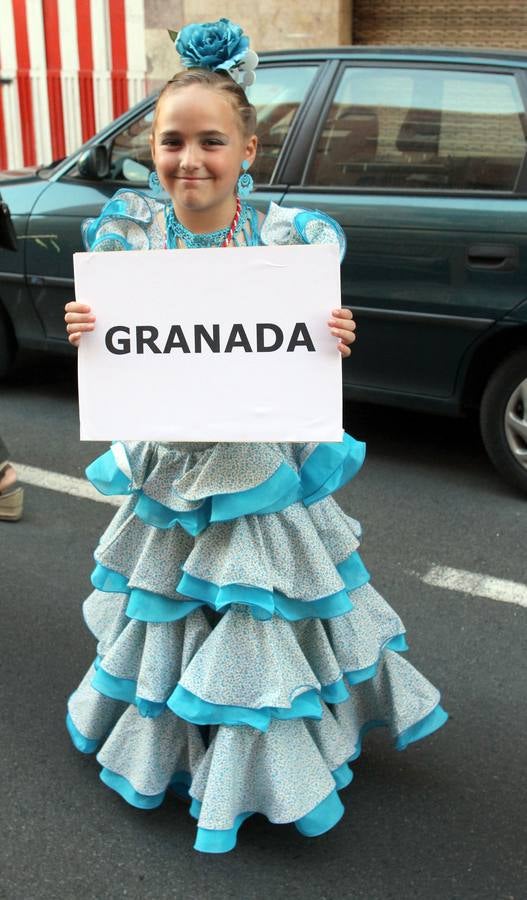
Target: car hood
(18, 174)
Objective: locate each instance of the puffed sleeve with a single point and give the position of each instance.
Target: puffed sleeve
(124, 223)
(283, 225)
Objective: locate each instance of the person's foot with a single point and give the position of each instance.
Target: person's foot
(11, 496)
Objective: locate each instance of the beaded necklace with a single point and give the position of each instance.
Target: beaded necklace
(175, 231)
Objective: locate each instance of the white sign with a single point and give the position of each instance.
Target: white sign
(210, 345)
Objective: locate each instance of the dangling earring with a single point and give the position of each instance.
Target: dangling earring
(154, 183)
(245, 181)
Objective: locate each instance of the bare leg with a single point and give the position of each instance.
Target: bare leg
(7, 478)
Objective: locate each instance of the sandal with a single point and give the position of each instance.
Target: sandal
(11, 499)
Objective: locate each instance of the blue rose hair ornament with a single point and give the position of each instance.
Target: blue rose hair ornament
(220, 45)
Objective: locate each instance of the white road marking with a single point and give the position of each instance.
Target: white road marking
(471, 583)
(477, 585)
(65, 484)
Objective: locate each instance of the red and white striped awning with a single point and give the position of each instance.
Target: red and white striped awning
(67, 68)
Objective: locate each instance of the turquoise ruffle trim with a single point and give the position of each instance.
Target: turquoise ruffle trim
(179, 783)
(188, 706)
(264, 604)
(124, 689)
(422, 729)
(193, 521)
(324, 816)
(329, 467)
(123, 787)
(116, 208)
(193, 709)
(149, 607)
(142, 605)
(397, 643)
(343, 776)
(109, 581)
(197, 711)
(107, 477)
(209, 841)
(326, 469)
(84, 744)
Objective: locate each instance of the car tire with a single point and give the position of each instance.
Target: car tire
(503, 419)
(7, 344)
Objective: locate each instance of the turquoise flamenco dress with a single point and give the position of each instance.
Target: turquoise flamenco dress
(242, 652)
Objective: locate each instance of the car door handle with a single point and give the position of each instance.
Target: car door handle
(496, 257)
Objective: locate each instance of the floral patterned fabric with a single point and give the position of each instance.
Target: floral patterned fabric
(242, 652)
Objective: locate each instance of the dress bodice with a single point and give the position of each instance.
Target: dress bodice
(131, 220)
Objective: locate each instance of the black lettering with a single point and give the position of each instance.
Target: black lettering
(176, 331)
(260, 337)
(122, 345)
(300, 329)
(213, 340)
(238, 338)
(146, 336)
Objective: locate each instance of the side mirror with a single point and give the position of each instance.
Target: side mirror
(94, 163)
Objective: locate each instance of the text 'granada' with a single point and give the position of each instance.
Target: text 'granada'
(266, 337)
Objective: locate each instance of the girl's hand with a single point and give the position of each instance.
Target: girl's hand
(343, 326)
(78, 319)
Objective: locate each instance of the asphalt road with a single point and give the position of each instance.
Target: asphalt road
(443, 820)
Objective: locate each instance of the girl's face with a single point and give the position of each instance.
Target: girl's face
(198, 148)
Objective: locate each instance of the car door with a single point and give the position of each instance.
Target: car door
(54, 229)
(280, 95)
(422, 165)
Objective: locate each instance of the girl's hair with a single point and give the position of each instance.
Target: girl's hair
(218, 81)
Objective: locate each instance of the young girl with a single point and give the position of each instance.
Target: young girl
(242, 653)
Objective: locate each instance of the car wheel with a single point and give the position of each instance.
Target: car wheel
(503, 419)
(7, 344)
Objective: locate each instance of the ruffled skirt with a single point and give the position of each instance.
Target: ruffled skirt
(242, 653)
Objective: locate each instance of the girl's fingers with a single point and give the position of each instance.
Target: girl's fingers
(79, 320)
(338, 323)
(343, 327)
(344, 334)
(76, 327)
(78, 317)
(73, 306)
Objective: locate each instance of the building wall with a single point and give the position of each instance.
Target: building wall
(275, 25)
(68, 67)
(270, 24)
(446, 23)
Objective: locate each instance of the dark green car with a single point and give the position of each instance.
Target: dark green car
(419, 154)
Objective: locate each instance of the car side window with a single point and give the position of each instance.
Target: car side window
(422, 128)
(277, 94)
(130, 155)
